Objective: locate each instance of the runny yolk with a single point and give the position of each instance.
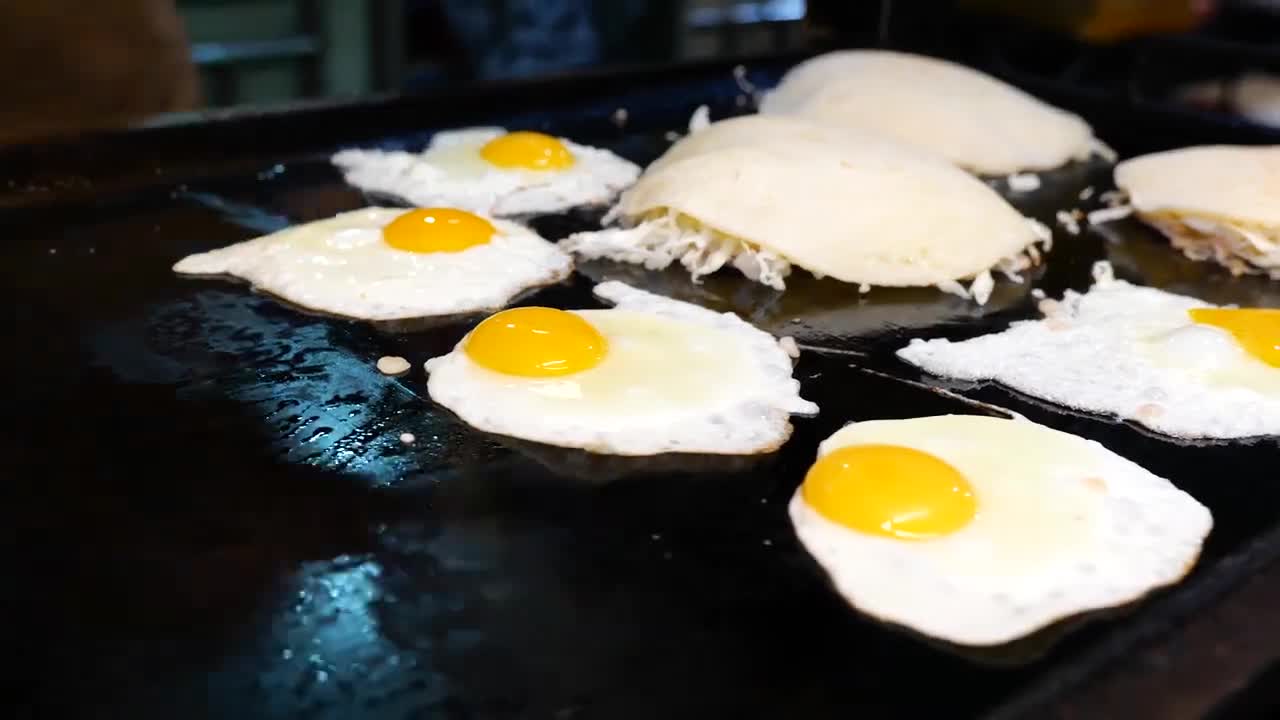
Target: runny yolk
(890, 490)
(1256, 329)
(535, 342)
(432, 230)
(528, 150)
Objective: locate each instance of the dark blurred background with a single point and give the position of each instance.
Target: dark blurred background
(133, 59)
(265, 50)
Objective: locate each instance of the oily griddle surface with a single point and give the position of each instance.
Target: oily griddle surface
(217, 517)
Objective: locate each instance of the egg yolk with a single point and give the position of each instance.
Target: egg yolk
(889, 490)
(535, 342)
(528, 150)
(432, 230)
(1256, 329)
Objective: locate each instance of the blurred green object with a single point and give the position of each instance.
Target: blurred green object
(637, 31)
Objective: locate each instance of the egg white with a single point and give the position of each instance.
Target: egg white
(1063, 526)
(342, 266)
(676, 378)
(451, 172)
(1125, 350)
(761, 193)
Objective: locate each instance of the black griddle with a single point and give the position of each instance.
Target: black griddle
(216, 517)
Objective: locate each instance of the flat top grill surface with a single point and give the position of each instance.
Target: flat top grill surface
(216, 515)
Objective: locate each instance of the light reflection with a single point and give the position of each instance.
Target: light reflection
(331, 623)
(319, 403)
(325, 651)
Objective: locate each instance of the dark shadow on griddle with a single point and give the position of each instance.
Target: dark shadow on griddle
(595, 468)
(1143, 256)
(399, 326)
(145, 562)
(551, 226)
(937, 388)
(827, 313)
(1057, 183)
(991, 389)
(1258, 700)
(599, 469)
(560, 226)
(1016, 653)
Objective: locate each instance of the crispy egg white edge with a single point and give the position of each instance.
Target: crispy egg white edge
(657, 243)
(771, 403)
(258, 262)
(596, 177)
(998, 624)
(1185, 410)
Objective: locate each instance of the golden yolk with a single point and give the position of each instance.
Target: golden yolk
(432, 230)
(529, 150)
(890, 490)
(1256, 329)
(535, 342)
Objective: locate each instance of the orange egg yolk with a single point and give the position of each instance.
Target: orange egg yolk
(889, 490)
(527, 150)
(433, 230)
(535, 342)
(1256, 329)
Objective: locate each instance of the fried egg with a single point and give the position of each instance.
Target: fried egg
(1172, 363)
(970, 118)
(392, 263)
(650, 375)
(1214, 202)
(979, 530)
(492, 171)
(764, 193)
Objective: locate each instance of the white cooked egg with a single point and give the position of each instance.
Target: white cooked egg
(979, 530)
(1177, 365)
(762, 193)
(972, 119)
(490, 170)
(1213, 355)
(392, 263)
(1218, 203)
(650, 375)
